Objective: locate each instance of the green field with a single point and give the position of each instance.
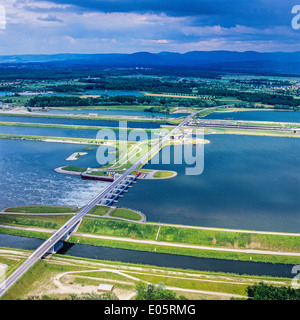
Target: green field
(88, 117)
(65, 126)
(74, 169)
(163, 174)
(99, 210)
(169, 234)
(42, 209)
(126, 214)
(91, 272)
(43, 221)
(110, 227)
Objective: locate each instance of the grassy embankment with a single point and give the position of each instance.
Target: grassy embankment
(42, 209)
(125, 214)
(112, 107)
(109, 143)
(97, 210)
(172, 234)
(68, 127)
(163, 174)
(74, 169)
(266, 133)
(88, 272)
(116, 212)
(89, 117)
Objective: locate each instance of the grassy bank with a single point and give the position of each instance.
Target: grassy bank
(109, 143)
(88, 273)
(220, 238)
(163, 174)
(125, 214)
(42, 209)
(266, 133)
(74, 169)
(169, 234)
(211, 254)
(88, 117)
(66, 126)
(99, 210)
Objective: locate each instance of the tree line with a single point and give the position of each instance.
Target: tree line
(262, 291)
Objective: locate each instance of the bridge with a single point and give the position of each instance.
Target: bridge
(107, 196)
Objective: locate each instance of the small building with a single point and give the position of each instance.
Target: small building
(105, 288)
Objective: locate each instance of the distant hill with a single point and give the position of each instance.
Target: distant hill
(279, 62)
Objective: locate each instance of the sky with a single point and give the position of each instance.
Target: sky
(127, 26)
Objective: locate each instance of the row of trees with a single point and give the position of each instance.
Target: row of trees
(70, 101)
(261, 97)
(138, 84)
(262, 291)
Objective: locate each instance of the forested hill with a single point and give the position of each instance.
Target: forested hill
(280, 62)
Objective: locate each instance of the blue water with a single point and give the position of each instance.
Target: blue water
(68, 133)
(27, 175)
(247, 183)
(115, 112)
(157, 259)
(83, 122)
(274, 116)
(3, 93)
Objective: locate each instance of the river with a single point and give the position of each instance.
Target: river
(247, 183)
(157, 259)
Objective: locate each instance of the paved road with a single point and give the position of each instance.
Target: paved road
(48, 244)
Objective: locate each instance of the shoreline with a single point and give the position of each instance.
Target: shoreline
(86, 117)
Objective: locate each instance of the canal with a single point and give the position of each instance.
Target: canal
(156, 259)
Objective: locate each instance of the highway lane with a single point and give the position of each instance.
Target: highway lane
(71, 223)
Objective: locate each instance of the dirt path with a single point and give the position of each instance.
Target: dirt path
(62, 288)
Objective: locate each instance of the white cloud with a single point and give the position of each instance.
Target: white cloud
(47, 27)
(2, 17)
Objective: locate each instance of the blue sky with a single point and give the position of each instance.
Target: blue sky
(105, 26)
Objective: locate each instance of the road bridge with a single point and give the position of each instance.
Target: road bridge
(123, 179)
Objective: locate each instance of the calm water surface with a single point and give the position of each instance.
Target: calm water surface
(157, 259)
(247, 183)
(274, 116)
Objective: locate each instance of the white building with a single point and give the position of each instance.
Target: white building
(105, 288)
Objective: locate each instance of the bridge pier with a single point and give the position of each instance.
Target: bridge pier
(56, 247)
(59, 244)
